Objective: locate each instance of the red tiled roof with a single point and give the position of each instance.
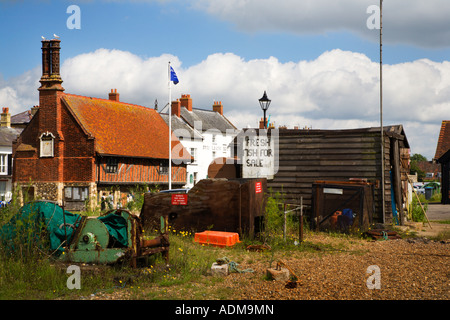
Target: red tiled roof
(444, 139)
(123, 129)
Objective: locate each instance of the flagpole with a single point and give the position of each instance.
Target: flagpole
(170, 130)
(381, 115)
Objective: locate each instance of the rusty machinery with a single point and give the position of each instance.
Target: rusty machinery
(98, 240)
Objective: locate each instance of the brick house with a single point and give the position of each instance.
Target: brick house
(75, 148)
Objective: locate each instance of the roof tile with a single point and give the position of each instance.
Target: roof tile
(123, 129)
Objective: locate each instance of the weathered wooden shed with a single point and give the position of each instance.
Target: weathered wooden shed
(444, 160)
(442, 156)
(307, 156)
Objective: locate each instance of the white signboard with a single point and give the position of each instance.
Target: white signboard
(259, 153)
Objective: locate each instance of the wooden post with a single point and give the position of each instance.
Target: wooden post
(284, 222)
(300, 231)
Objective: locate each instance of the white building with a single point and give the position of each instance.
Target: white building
(7, 136)
(206, 134)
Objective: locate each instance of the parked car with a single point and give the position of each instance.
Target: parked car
(419, 189)
(176, 191)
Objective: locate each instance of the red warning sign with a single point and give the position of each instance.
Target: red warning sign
(258, 187)
(179, 199)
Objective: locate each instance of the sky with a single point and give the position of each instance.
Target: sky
(318, 60)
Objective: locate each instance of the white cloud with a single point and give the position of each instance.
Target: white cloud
(20, 93)
(416, 22)
(339, 89)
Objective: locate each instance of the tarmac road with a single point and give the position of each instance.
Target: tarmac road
(435, 212)
(438, 212)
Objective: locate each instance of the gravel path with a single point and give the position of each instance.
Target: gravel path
(408, 270)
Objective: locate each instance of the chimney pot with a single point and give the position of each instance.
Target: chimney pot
(114, 95)
(261, 123)
(218, 107)
(176, 108)
(51, 79)
(5, 120)
(186, 101)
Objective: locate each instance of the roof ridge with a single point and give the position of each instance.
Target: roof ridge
(108, 100)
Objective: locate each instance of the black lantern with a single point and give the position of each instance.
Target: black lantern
(264, 102)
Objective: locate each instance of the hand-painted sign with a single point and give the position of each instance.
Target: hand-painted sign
(259, 154)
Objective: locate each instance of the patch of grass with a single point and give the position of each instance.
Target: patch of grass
(32, 275)
(442, 221)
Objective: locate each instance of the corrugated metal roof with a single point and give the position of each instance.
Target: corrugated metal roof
(123, 129)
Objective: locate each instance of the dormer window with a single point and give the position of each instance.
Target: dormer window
(47, 140)
(112, 165)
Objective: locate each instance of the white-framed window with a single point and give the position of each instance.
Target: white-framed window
(3, 164)
(76, 193)
(194, 155)
(47, 144)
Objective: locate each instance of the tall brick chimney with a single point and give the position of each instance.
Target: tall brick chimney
(50, 121)
(218, 107)
(186, 101)
(114, 95)
(261, 123)
(5, 118)
(51, 79)
(176, 108)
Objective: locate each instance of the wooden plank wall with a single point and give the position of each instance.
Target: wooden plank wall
(306, 156)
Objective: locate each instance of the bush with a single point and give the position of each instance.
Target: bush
(417, 214)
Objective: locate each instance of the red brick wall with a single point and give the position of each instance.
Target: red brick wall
(73, 159)
(79, 150)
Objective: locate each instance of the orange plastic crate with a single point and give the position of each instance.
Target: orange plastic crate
(217, 238)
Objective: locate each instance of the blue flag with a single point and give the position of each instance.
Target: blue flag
(173, 76)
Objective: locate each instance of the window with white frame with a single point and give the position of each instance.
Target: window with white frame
(47, 144)
(3, 164)
(76, 193)
(194, 155)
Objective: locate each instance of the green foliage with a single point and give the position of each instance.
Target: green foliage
(137, 194)
(417, 214)
(418, 157)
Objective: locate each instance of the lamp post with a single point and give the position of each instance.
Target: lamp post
(264, 102)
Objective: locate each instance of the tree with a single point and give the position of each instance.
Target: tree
(418, 157)
(415, 159)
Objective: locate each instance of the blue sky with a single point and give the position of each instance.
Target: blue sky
(317, 59)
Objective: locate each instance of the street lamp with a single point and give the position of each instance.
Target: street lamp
(264, 102)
